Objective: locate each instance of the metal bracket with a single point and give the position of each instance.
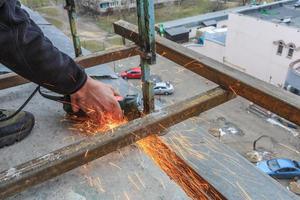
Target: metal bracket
(145, 12)
(70, 7)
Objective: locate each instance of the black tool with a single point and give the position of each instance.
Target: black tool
(130, 104)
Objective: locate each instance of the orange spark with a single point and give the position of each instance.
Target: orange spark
(92, 126)
(194, 185)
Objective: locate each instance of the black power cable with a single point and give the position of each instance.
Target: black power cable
(21, 107)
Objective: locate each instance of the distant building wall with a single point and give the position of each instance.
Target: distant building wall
(252, 44)
(210, 49)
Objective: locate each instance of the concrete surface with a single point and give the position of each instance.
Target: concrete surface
(220, 165)
(126, 174)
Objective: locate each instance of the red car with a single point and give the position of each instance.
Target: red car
(133, 73)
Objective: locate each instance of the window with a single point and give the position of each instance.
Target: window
(291, 50)
(283, 170)
(273, 164)
(287, 170)
(104, 5)
(295, 91)
(280, 48)
(296, 164)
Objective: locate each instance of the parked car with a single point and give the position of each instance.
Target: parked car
(165, 88)
(281, 168)
(133, 73)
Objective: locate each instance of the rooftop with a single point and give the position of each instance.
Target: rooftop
(177, 30)
(283, 13)
(276, 12)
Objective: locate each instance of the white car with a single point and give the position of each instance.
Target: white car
(165, 88)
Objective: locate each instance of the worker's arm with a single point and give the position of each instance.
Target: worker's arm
(26, 51)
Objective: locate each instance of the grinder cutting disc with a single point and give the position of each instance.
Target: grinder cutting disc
(131, 106)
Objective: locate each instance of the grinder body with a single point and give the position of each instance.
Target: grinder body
(130, 105)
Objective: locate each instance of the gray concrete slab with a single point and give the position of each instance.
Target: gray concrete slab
(127, 174)
(236, 111)
(225, 169)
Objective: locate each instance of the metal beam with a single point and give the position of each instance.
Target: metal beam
(107, 56)
(278, 101)
(71, 8)
(12, 79)
(145, 13)
(60, 161)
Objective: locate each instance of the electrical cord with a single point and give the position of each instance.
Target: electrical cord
(21, 107)
(60, 99)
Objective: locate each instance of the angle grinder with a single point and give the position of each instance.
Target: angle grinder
(130, 105)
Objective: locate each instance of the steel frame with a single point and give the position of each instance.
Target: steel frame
(71, 9)
(232, 83)
(65, 159)
(145, 13)
(277, 100)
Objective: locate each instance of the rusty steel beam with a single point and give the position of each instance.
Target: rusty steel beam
(107, 56)
(71, 9)
(12, 79)
(276, 100)
(36, 171)
(145, 13)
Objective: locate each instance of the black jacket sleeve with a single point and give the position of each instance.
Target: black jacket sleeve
(25, 50)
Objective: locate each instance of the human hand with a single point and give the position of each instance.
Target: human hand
(95, 99)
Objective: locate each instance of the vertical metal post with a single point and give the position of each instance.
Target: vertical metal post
(145, 12)
(70, 7)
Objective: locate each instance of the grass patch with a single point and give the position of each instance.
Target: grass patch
(186, 9)
(162, 14)
(105, 22)
(49, 11)
(93, 45)
(41, 3)
(116, 41)
(58, 24)
(36, 3)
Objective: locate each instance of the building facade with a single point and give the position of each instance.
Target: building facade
(259, 40)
